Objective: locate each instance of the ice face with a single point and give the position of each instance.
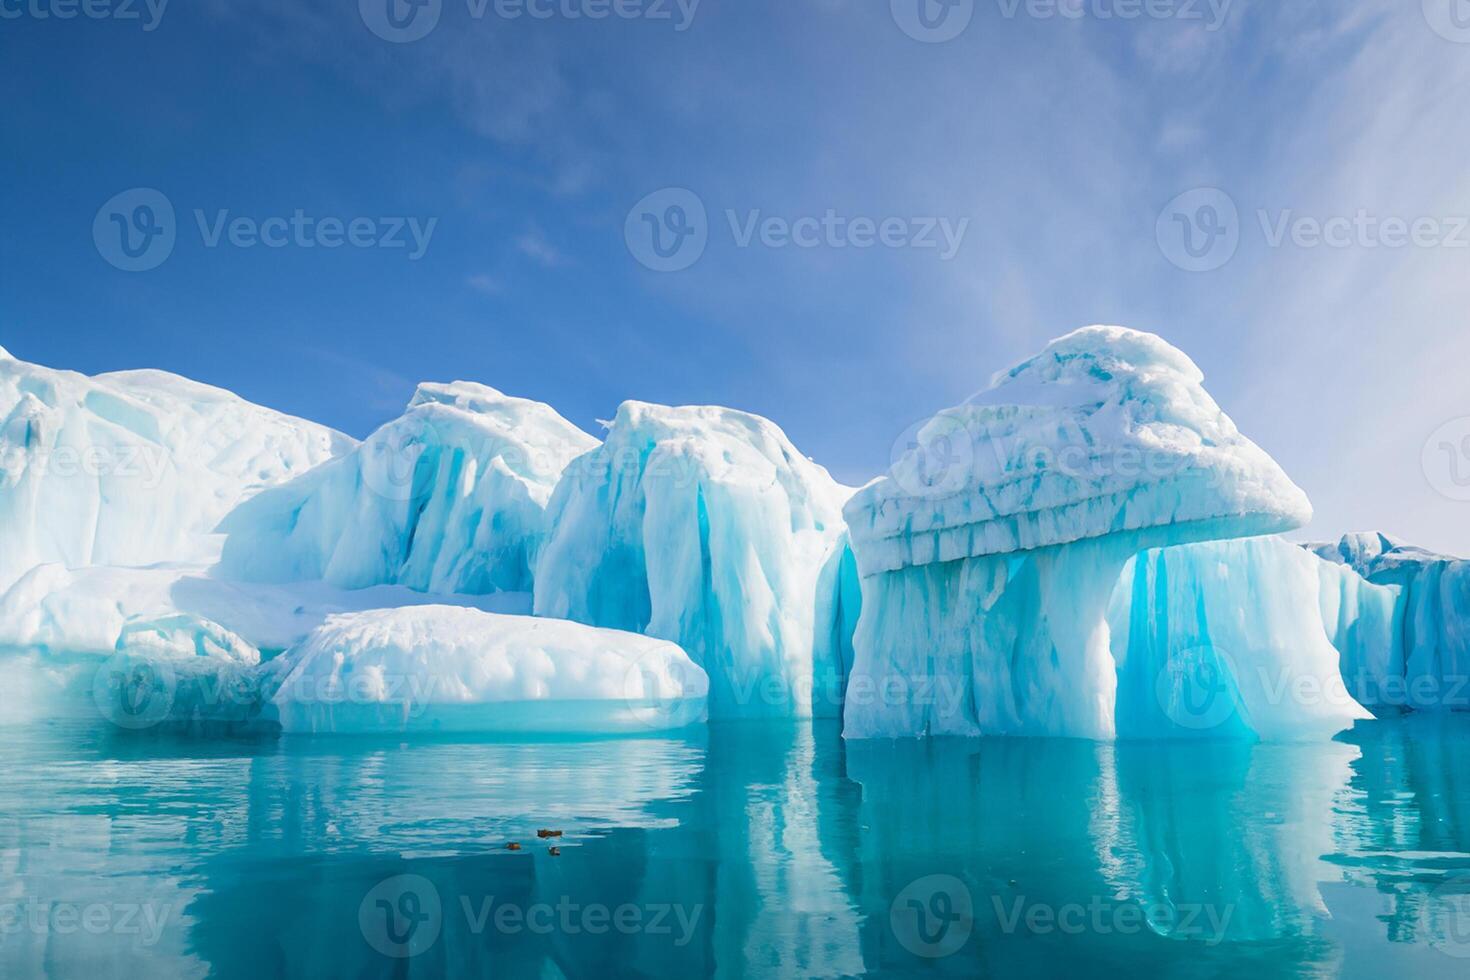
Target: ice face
(1229, 638)
(991, 550)
(133, 468)
(438, 668)
(706, 527)
(1426, 663)
(448, 498)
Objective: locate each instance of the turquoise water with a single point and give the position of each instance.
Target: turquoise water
(742, 851)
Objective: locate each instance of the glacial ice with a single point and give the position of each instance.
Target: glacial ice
(133, 468)
(439, 668)
(1076, 551)
(991, 550)
(1228, 638)
(60, 611)
(448, 498)
(706, 527)
(1424, 661)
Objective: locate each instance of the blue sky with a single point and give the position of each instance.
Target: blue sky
(1049, 140)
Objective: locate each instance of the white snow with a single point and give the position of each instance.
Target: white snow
(66, 611)
(705, 526)
(1107, 430)
(437, 668)
(991, 550)
(448, 498)
(133, 468)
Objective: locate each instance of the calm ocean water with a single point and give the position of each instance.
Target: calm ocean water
(743, 850)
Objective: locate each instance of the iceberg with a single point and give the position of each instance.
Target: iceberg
(170, 670)
(1424, 661)
(706, 527)
(447, 669)
(1232, 638)
(991, 550)
(133, 468)
(449, 498)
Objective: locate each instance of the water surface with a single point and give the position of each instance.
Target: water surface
(744, 850)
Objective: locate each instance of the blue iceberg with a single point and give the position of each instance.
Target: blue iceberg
(706, 527)
(990, 552)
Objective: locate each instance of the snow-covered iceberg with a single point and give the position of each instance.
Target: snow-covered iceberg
(448, 498)
(990, 552)
(1424, 664)
(705, 526)
(133, 468)
(445, 669)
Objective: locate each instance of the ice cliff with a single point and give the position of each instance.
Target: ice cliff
(448, 498)
(991, 550)
(1231, 638)
(1423, 660)
(706, 527)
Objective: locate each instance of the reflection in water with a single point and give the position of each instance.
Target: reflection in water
(749, 850)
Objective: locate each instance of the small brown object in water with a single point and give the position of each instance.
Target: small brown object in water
(512, 846)
(543, 834)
